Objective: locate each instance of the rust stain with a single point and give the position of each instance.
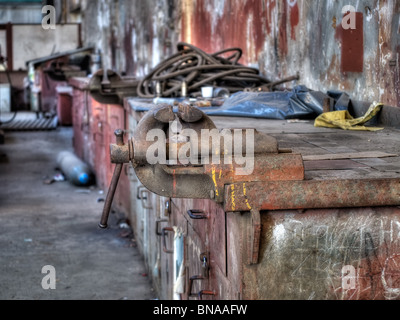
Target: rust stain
(243, 24)
(269, 7)
(174, 183)
(294, 19)
(282, 37)
(128, 49)
(334, 21)
(202, 27)
(331, 72)
(292, 194)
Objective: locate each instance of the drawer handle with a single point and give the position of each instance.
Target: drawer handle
(158, 224)
(205, 293)
(197, 214)
(163, 233)
(193, 278)
(138, 193)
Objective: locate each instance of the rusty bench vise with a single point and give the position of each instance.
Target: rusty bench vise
(187, 128)
(109, 87)
(274, 181)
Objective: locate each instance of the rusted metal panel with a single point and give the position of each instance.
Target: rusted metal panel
(98, 145)
(210, 230)
(302, 35)
(308, 255)
(278, 37)
(81, 113)
(196, 249)
(234, 237)
(309, 194)
(352, 59)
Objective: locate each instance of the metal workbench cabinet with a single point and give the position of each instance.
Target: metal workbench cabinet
(297, 227)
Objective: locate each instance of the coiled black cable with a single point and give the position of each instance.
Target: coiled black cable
(197, 68)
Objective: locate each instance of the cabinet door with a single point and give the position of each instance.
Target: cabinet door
(206, 243)
(215, 230)
(198, 266)
(211, 229)
(162, 220)
(173, 241)
(98, 145)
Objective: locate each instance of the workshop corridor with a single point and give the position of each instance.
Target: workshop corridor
(44, 223)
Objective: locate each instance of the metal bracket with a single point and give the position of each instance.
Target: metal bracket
(145, 203)
(191, 280)
(197, 214)
(157, 226)
(139, 195)
(110, 88)
(205, 293)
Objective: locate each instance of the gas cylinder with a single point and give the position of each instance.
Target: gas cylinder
(74, 169)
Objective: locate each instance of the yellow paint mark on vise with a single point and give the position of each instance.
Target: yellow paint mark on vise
(246, 200)
(233, 197)
(215, 181)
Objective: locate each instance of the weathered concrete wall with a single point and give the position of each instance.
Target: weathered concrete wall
(279, 37)
(133, 36)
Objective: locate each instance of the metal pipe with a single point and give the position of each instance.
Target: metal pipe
(119, 134)
(110, 195)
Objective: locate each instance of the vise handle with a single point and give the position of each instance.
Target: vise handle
(119, 134)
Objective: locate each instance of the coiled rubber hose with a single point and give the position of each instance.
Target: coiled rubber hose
(197, 68)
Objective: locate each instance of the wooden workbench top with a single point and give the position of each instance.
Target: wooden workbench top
(302, 137)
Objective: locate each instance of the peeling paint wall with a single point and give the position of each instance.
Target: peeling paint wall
(133, 36)
(283, 37)
(280, 37)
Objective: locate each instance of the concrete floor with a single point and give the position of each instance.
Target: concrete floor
(56, 224)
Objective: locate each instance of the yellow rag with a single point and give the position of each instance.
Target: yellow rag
(344, 120)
